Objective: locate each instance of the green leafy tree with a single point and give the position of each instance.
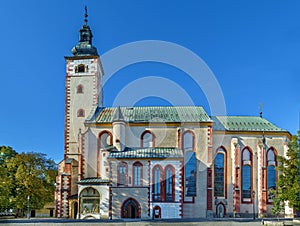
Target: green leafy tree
(6, 178)
(25, 175)
(34, 177)
(288, 181)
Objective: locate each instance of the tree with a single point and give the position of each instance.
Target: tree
(23, 175)
(288, 181)
(6, 178)
(34, 177)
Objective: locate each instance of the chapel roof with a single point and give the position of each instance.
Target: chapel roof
(150, 114)
(93, 180)
(243, 123)
(146, 153)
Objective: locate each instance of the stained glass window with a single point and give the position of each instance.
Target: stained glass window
(190, 174)
(122, 174)
(156, 191)
(271, 174)
(219, 175)
(169, 184)
(246, 182)
(137, 174)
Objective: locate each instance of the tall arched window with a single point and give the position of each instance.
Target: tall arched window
(157, 185)
(137, 174)
(190, 166)
(122, 174)
(170, 183)
(271, 174)
(220, 173)
(246, 175)
(147, 139)
(188, 141)
(79, 89)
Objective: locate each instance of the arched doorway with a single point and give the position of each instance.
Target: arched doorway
(221, 210)
(131, 209)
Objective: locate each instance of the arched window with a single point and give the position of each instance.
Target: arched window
(122, 174)
(271, 174)
(157, 185)
(157, 212)
(190, 166)
(147, 139)
(170, 185)
(246, 175)
(80, 68)
(219, 173)
(188, 141)
(80, 113)
(105, 139)
(137, 174)
(79, 89)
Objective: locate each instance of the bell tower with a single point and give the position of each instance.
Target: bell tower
(83, 87)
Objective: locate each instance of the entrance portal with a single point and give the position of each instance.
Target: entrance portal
(131, 209)
(221, 210)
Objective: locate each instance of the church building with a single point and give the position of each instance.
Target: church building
(158, 161)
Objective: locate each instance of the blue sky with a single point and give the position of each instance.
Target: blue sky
(251, 46)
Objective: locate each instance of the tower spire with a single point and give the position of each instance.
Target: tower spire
(85, 16)
(85, 46)
(260, 110)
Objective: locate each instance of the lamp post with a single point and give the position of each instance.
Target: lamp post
(152, 204)
(28, 208)
(28, 197)
(253, 198)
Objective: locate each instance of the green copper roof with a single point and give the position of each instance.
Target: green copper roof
(151, 114)
(243, 123)
(94, 180)
(140, 153)
(85, 46)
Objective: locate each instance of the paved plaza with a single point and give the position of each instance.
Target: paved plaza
(206, 222)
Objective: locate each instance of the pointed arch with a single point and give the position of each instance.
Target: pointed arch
(122, 174)
(105, 139)
(188, 140)
(137, 173)
(272, 173)
(190, 165)
(170, 183)
(147, 139)
(247, 174)
(157, 183)
(131, 209)
(220, 173)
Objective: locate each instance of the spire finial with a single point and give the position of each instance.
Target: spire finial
(85, 16)
(260, 109)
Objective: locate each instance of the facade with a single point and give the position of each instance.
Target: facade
(159, 162)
